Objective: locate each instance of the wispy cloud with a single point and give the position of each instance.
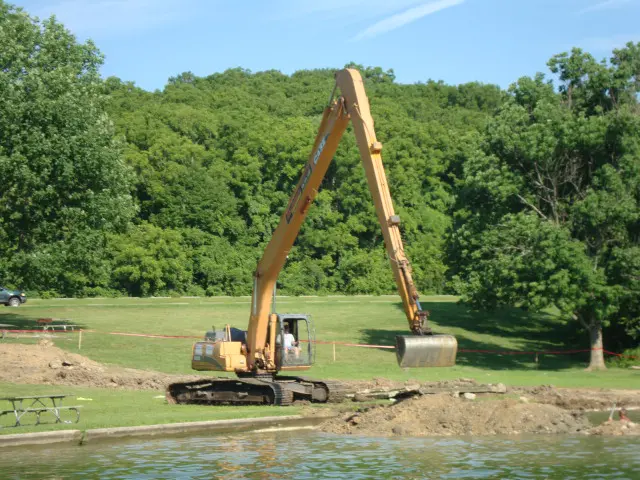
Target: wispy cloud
(608, 44)
(376, 5)
(400, 19)
(114, 17)
(332, 9)
(606, 5)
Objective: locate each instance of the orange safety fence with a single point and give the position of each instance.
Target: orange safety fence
(153, 336)
(545, 352)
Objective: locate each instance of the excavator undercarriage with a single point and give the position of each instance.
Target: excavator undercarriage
(268, 390)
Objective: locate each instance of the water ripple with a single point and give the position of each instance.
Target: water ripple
(307, 455)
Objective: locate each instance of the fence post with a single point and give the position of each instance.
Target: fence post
(334, 351)
(80, 340)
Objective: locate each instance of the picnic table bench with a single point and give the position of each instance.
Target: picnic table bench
(47, 324)
(39, 404)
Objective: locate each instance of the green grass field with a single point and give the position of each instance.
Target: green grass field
(123, 408)
(370, 320)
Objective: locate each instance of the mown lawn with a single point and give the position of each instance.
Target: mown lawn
(370, 320)
(103, 407)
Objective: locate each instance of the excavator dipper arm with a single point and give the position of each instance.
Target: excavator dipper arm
(352, 88)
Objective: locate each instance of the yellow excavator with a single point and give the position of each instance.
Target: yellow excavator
(275, 342)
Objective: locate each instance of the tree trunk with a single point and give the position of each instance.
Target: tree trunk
(596, 361)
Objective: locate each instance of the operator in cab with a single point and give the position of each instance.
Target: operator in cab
(290, 343)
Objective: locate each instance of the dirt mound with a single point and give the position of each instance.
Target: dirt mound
(445, 411)
(616, 429)
(49, 365)
(443, 414)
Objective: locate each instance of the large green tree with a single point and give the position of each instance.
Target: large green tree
(63, 178)
(548, 210)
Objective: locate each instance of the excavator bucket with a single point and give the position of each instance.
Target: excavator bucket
(426, 350)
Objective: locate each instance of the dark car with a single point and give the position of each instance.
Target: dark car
(12, 298)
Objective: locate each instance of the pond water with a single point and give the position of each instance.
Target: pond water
(310, 455)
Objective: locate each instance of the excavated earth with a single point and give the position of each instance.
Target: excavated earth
(442, 414)
(540, 409)
(449, 411)
(46, 364)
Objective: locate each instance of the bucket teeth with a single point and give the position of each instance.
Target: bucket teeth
(414, 351)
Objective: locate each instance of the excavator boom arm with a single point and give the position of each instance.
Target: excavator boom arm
(334, 123)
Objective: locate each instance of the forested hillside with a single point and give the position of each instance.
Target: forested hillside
(526, 197)
(216, 160)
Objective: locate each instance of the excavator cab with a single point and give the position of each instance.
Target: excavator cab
(295, 338)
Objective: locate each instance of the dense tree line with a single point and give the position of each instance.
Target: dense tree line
(217, 158)
(524, 197)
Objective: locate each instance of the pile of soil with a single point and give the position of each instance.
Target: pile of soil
(444, 414)
(616, 429)
(46, 364)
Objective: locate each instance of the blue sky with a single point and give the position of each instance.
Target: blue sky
(492, 41)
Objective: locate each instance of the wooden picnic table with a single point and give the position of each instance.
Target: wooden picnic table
(38, 404)
(48, 324)
(59, 326)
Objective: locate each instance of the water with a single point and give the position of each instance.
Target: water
(310, 455)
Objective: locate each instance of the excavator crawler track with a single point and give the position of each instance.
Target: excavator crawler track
(284, 397)
(337, 390)
(229, 391)
(282, 391)
(323, 391)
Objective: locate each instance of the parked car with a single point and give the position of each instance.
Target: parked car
(12, 298)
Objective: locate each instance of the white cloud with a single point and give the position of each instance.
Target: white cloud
(113, 17)
(606, 5)
(400, 19)
(608, 44)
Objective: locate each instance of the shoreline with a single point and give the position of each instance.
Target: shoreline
(81, 437)
(257, 424)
